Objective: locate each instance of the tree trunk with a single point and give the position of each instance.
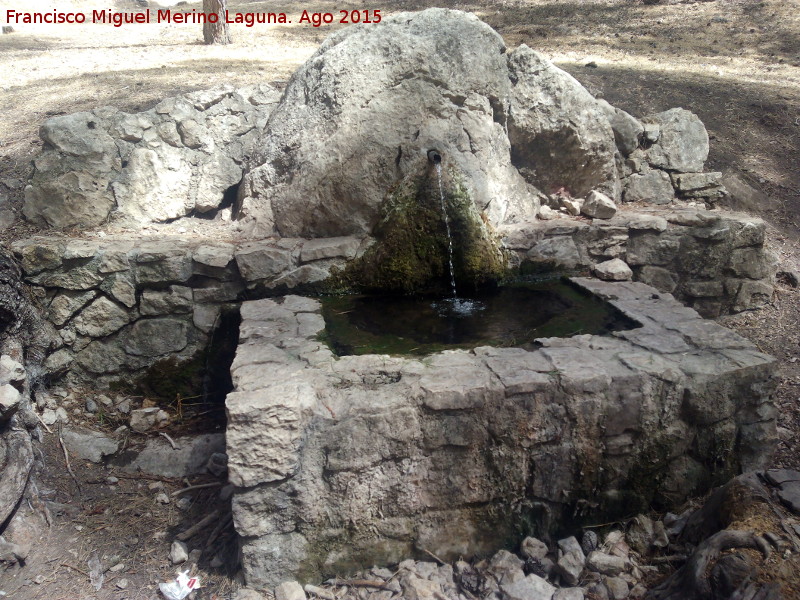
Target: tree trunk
(216, 33)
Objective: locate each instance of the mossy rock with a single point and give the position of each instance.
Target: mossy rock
(411, 253)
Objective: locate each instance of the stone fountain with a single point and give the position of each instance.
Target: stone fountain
(347, 461)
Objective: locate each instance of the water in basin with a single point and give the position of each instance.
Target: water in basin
(512, 315)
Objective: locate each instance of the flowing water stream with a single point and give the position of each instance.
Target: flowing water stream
(447, 226)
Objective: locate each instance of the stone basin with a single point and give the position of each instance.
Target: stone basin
(346, 462)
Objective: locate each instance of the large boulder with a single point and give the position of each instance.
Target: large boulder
(561, 138)
(179, 157)
(362, 113)
(682, 143)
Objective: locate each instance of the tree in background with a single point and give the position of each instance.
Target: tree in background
(216, 33)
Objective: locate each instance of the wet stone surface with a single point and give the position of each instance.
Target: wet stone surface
(342, 463)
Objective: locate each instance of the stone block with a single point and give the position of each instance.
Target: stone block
(256, 263)
(156, 337)
(653, 187)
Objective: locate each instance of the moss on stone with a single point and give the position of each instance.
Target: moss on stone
(411, 253)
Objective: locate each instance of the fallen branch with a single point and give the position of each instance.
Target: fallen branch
(43, 423)
(220, 526)
(319, 592)
(66, 458)
(199, 486)
(365, 583)
(194, 529)
(170, 440)
(434, 557)
(69, 566)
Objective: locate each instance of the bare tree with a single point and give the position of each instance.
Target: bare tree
(216, 33)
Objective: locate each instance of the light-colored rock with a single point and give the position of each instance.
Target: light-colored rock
(598, 206)
(627, 130)
(89, 445)
(613, 270)
(644, 535)
(154, 337)
(11, 371)
(606, 564)
(338, 247)
(557, 252)
(121, 287)
(101, 318)
(178, 552)
(560, 136)
(696, 182)
(533, 548)
(617, 588)
(660, 278)
(290, 590)
(682, 143)
(531, 587)
(417, 97)
(570, 567)
(146, 419)
(149, 166)
(652, 186)
(178, 299)
(214, 256)
(546, 213)
(9, 402)
(159, 458)
(66, 304)
(262, 262)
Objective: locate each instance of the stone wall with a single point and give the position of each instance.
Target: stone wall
(176, 159)
(121, 304)
(346, 462)
(714, 261)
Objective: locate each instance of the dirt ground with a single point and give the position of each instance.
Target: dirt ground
(736, 63)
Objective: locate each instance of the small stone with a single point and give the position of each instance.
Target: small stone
(178, 552)
(105, 401)
(145, 419)
(194, 555)
(597, 591)
(617, 588)
(528, 588)
(533, 548)
(605, 563)
(9, 402)
(547, 214)
(571, 544)
(91, 406)
(613, 270)
(122, 584)
(290, 590)
(216, 562)
(599, 206)
(61, 415)
(184, 503)
(570, 566)
(117, 568)
(49, 417)
(111, 480)
(162, 498)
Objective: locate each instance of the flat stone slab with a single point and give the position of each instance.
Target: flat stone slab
(347, 462)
